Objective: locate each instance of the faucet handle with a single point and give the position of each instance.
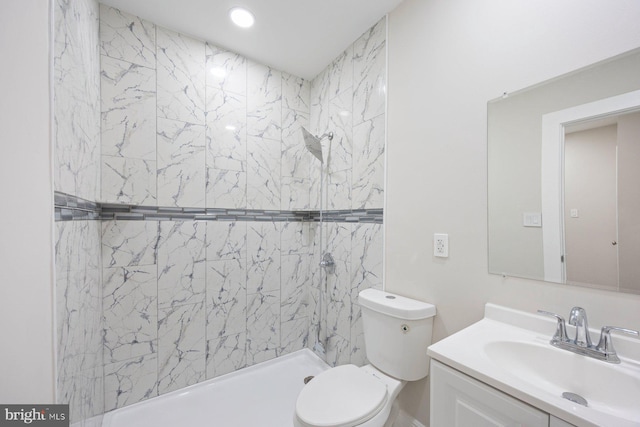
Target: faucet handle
(605, 344)
(561, 330)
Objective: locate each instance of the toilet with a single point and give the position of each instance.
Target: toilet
(397, 332)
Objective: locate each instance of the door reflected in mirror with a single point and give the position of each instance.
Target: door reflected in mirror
(590, 207)
(564, 178)
(601, 200)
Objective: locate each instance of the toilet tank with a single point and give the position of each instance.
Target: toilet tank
(397, 332)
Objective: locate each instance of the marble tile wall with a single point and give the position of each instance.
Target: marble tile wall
(357, 251)
(129, 102)
(188, 124)
(186, 301)
(79, 319)
(76, 154)
(76, 88)
(348, 98)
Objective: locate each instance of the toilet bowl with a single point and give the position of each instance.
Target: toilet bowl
(397, 333)
(347, 396)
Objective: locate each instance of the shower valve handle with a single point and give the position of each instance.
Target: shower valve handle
(327, 260)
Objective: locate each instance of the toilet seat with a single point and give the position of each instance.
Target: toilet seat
(344, 396)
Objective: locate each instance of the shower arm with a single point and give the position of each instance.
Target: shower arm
(328, 135)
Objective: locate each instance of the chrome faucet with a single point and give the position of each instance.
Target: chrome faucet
(578, 318)
(581, 344)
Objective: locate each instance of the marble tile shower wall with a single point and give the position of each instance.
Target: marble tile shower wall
(349, 98)
(187, 124)
(76, 69)
(357, 250)
(76, 153)
(79, 325)
(187, 301)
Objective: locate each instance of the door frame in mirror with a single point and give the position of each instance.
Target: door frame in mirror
(552, 166)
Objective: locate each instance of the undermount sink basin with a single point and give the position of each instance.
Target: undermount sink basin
(606, 387)
(510, 351)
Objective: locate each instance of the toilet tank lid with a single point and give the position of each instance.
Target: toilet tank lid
(395, 305)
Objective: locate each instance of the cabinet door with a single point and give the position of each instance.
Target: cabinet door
(557, 422)
(458, 400)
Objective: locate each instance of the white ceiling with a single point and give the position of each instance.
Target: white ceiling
(300, 37)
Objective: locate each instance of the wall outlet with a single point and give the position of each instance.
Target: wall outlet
(441, 245)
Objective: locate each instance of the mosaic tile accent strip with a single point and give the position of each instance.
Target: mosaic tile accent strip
(142, 213)
(350, 215)
(71, 208)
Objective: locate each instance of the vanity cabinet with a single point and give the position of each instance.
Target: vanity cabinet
(557, 422)
(458, 400)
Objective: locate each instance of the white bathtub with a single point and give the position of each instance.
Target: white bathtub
(262, 395)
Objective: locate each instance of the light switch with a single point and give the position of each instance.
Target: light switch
(532, 219)
(574, 213)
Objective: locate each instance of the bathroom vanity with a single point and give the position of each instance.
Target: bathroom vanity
(503, 371)
(460, 400)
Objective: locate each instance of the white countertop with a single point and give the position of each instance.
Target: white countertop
(466, 351)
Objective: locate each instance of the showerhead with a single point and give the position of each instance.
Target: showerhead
(312, 142)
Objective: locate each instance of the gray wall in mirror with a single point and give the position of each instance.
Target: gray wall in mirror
(515, 163)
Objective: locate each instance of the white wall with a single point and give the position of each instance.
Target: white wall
(447, 58)
(26, 218)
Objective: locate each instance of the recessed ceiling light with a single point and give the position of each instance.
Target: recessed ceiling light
(241, 17)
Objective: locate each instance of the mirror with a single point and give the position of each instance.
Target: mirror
(564, 178)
